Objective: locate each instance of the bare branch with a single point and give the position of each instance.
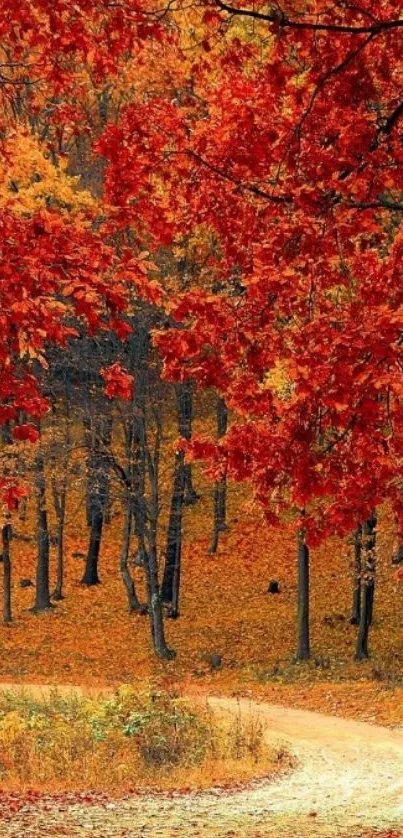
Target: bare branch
(247, 187)
(276, 15)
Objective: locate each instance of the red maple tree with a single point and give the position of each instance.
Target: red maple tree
(286, 146)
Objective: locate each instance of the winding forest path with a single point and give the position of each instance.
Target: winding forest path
(348, 778)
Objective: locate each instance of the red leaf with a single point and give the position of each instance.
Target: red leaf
(24, 432)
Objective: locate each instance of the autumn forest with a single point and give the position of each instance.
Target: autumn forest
(201, 417)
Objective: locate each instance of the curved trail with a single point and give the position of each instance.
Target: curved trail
(349, 777)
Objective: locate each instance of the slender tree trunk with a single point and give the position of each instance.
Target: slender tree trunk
(59, 488)
(155, 606)
(371, 596)
(367, 588)
(172, 570)
(184, 399)
(220, 490)
(6, 539)
(356, 608)
(99, 489)
(133, 600)
(6, 433)
(91, 566)
(59, 503)
(89, 491)
(42, 598)
(146, 510)
(363, 630)
(148, 523)
(303, 642)
(58, 592)
(106, 429)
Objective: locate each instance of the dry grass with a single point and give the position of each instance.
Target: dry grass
(128, 741)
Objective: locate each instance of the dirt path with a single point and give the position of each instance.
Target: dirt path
(349, 777)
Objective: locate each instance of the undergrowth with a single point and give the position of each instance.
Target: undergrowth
(128, 741)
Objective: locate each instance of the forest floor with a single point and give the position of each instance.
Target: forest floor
(347, 780)
(90, 638)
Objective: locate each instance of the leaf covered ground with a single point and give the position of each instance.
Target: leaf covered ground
(90, 638)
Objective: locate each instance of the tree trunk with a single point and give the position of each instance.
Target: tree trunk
(6, 433)
(6, 539)
(155, 606)
(134, 603)
(367, 589)
(42, 598)
(96, 501)
(106, 429)
(146, 514)
(362, 637)
(172, 570)
(356, 609)
(88, 463)
(303, 643)
(91, 566)
(58, 592)
(371, 596)
(59, 503)
(184, 398)
(150, 564)
(220, 491)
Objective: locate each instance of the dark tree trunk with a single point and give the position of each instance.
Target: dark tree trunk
(220, 490)
(6, 539)
(172, 570)
(371, 596)
(155, 606)
(59, 502)
(89, 464)
(184, 398)
(356, 608)
(42, 598)
(154, 598)
(303, 642)
(362, 652)
(133, 600)
(60, 484)
(6, 433)
(58, 592)
(367, 588)
(91, 566)
(146, 522)
(97, 500)
(145, 510)
(106, 439)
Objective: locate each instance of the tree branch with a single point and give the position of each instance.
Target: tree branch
(393, 206)
(392, 119)
(279, 17)
(277, 199)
